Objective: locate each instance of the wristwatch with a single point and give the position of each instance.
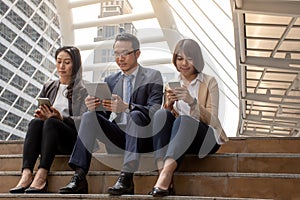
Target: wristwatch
(127, 110)
(193, 103)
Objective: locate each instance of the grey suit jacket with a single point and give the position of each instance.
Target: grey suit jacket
(148, 90)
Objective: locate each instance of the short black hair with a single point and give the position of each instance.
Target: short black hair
(128, 37)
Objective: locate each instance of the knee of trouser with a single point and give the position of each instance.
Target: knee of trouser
(139, 118)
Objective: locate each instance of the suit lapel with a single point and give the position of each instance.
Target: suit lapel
(118, 86)
(140, 76)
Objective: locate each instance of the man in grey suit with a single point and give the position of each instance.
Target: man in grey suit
(125, 126)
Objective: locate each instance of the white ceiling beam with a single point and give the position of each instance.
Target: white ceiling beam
(65, 21)
(260, 133)
(257, 118)
(119, 19)
(275, 63)
(145, 62)
(80, 3)
(264, 98)
(269, 7)
(109, 43)
(167, 23)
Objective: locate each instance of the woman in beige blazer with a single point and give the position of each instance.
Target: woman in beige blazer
(189, 122)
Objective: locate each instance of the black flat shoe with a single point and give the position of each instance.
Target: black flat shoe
(32, 190)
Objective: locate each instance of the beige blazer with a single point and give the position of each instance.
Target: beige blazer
(208, 105)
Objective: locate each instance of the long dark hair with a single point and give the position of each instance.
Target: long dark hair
(191, 49)
(76, 67)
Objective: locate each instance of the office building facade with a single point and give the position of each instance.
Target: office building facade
(29, 37)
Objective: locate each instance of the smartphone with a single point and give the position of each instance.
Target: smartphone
(174, 84)
(44, 101)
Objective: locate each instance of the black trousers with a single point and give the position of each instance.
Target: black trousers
(47, 139)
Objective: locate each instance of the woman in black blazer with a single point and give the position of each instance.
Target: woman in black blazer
(53, 130)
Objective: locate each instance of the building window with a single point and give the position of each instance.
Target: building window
(31, 33)
(27, 68)
(44, 44)
(109, 31)
(18, 82)
(52, 2)
(16, 19)
(23, 125)
(47, 11)
(36, 56)
(2, 49)
(5, 74)
(31, 90)
(7, 33)
(39, 21)
(3, 8)
(40, 77)
(36, 2)
(11, 119)
(13, 59)
(3, 134)
(32, 110)
(22, 104)
(8, 97)
(56, 21)
(25, 8)
(52, 33)
(47, 64)
(23, 45)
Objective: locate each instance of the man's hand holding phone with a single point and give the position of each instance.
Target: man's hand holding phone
(92, 102)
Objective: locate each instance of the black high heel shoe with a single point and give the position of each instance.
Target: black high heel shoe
(32, 190)
(19, 189)
(158, 192)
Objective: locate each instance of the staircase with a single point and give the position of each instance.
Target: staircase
(244, 168)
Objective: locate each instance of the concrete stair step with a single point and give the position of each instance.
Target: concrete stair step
(244, 168)
(108, 197)
(261, 145)
(11, 147)
(204, 184)
(227, 162)
(234, 145)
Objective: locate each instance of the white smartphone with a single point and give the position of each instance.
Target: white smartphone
(44, 101)
(174, 84)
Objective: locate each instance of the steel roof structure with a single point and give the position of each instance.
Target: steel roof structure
(268, 64)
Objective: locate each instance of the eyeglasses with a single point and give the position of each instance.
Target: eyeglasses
(124, 53)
